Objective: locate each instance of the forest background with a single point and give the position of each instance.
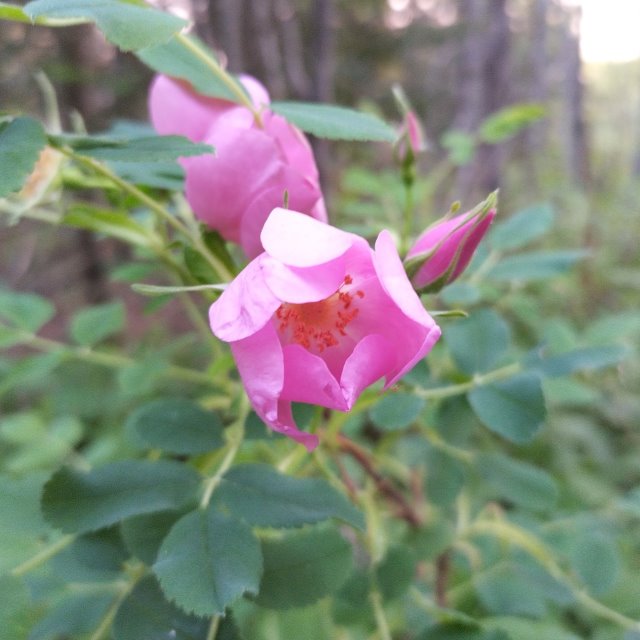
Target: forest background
(567, 144)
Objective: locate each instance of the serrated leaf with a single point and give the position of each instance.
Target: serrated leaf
(302, 567)
(187, 63)
(207, 561)
(334, 123)
(522, 228)
(128, 26)
(176, 425)
(396, 411)
(145, 614)
(94, 324)
(519, 482)
(110, 223)
(537, 265)
(478, 342)
(161, 175)
(21, 141)
(26, 311)
(514, 409)
(263, 497)
(145, 149)
(79, 501)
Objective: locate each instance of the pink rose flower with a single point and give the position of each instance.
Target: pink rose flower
(444, 250)
(234, 190)
(318, 317)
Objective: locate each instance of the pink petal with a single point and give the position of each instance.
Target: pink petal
(393, 279)
(301, 241)
(430, 339)
(175, 109)
(256, 90)
(299, 285)
(371, 359)
(308, 379)
(245, 306)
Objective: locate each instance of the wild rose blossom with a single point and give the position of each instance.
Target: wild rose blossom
(254, 164)
(444, 250)
(318, 317)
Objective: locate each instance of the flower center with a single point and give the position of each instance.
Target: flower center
(320, 324)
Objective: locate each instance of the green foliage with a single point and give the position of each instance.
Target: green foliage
(301, 567)
(335, 123)
(396, 411)
(128, 25)
(515, 408)
(190, 63)
(77, 501)
(25, 311)
(176, 425)
(523, 227)
(537, 265)
(263, 497)
(207, 561)
(507, 122)
(95, 324)
(21, 141)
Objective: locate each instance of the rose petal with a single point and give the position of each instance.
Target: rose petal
(245, 306)
(301, 241)
(393, 279)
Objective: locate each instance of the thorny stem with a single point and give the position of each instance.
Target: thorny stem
(109, 359)
(42, 556)
(477, 381)
(403, 508)
(157, 208)
(235, 435)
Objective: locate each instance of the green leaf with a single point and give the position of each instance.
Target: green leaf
(334, 123)
(176, 425)
(79, 501)
(207, 561)
(523, 484)
(537, 265)
(110, 223)
(523, 227)
(396, 411)
(145, 149)
(514, 409)
(145, 614)
(26, 311)
(505, 590)
(30, 372)
(15, 614)
(595, 559)
(188, 63)
(13, 12)
(478, 342)
(527, 629)
(21, 141)
(431, 540)
(266, 498)
(395, 573)
(507, 122)
(445, 477)
(460, 145)
(127, 25)
(302, 567)
(94, 324)
(73, 616)
(144, 534)
(161, 175)
(585, 359)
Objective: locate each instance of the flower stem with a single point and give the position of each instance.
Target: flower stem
(379, 614)
(214, 66)
(213, 628)
(42, 556)
(477, 381)
(235, 435)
